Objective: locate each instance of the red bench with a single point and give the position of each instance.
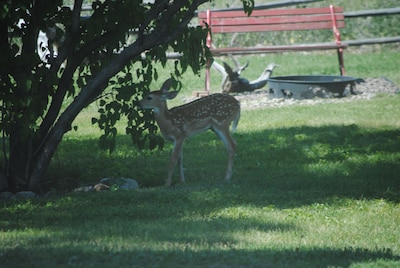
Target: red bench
(289, 19)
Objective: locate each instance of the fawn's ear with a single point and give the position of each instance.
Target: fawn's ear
(169, 95)
(166, 85)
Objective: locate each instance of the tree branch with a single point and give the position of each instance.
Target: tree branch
(66, 81)
(66, 78)
(160, 35)
(71, 37)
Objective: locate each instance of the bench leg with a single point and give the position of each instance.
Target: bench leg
(207, 81)
(341, 61)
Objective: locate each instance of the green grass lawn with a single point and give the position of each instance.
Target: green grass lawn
(313, 186)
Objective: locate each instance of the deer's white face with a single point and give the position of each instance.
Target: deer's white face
(151, 101)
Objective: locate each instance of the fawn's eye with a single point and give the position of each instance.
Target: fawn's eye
(149, 98)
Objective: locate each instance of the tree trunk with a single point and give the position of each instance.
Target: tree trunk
(43, 159)
(19, 160)
(3, 181)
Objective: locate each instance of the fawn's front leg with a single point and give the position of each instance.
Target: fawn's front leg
(180, 163)
(175, 157)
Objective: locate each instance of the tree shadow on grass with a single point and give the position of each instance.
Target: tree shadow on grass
(317, 163)
(97, 257)
(287, 167)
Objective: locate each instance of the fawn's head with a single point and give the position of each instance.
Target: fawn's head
(157, 99)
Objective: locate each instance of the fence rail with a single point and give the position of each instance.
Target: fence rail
(371, 13)
(372, 41)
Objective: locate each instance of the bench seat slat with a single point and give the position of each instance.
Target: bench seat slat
(273, 27)
(274, 20)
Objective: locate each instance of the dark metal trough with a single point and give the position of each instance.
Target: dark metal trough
(309, 86)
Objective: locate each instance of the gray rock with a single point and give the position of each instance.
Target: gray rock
(50, 193)
(6, 195)
(129, 184)
(24, 195)
(121, 183)
(106, 181)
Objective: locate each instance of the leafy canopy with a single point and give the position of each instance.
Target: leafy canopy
(91, 54)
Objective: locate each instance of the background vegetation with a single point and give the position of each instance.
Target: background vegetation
(356, 28)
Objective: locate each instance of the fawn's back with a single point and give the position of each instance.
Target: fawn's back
(212, 111)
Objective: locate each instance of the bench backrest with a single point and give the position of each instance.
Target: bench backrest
(267, 20)
(290, 19)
